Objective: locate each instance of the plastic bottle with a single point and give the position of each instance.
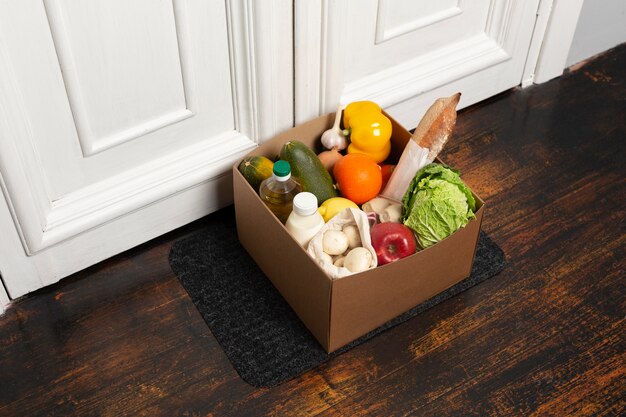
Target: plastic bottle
(278, 191)
(304, 221)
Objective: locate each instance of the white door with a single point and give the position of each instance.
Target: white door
(404, 54)
(120, 120)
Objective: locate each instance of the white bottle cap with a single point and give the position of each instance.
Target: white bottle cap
(305, 203)
(282, 179)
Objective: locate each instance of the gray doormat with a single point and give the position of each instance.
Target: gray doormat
(263, 338)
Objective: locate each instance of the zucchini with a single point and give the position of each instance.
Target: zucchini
(308, 170)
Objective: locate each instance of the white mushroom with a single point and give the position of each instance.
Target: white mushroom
(339, 260)
(358, 260)
(391, 213)
(375, 205)
(354, 237)
(334, 242)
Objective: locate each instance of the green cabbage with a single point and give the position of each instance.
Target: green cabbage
(437, 204)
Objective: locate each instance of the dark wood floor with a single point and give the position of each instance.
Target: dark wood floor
(544, 338)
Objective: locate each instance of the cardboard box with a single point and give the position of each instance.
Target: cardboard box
(339, 311)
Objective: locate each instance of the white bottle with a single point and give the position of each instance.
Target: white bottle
(304, 221)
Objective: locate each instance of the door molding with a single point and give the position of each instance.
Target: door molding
(261, 45)
(196, 178)
(316, 88)
(319, 89)
(557, 39)
(91, 142)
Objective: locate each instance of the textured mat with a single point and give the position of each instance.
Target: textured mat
(261, 335)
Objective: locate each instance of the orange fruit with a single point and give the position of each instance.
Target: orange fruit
(358, 177)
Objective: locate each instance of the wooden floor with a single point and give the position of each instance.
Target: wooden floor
(545, 338)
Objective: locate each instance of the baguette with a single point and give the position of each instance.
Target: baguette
(428, 139)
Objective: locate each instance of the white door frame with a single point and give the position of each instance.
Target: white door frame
(552, 38)
(260, 45)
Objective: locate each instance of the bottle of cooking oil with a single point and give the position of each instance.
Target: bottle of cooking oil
(278, 191)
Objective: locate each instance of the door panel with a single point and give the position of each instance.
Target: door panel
(403, 54)
(121, 70)
(115, 115)
(422, 30)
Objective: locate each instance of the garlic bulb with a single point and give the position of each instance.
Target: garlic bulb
(334, 137)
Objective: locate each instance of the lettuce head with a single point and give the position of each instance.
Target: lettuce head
(437, 204)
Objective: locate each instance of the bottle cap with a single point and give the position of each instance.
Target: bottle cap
(282, 169)
(305, 203)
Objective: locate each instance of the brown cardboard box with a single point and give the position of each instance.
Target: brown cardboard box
(338, 312)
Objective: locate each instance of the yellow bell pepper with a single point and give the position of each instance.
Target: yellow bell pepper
(370, 130)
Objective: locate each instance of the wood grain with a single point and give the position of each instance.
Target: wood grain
(546, 338)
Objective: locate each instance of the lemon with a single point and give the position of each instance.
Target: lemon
(334, 205)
